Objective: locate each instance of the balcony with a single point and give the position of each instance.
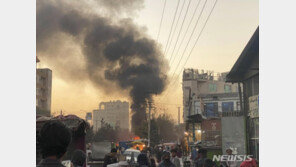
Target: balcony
(214, 114)
(232, 114)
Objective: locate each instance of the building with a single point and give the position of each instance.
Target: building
(210, 95)
(245, 71)
(206, 97)
(43, 91)
(115, 113)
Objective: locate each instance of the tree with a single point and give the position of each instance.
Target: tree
(155, 138)
(162, 130)
(105, 133)
(167, 132)
(89, 137)
(142, 130)
(113, 134)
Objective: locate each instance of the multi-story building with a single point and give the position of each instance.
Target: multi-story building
(206, 96)
(209, 94)
(115, 113)
(43, 91)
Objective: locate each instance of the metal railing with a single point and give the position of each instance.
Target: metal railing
(232, 114)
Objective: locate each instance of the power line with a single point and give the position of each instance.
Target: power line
(166, 103)
(196, 23)
(161, 20)
(195, 43)
(198, 37)
(180, 29)
(190, 37)
(195, 10)
(169, 46)
(171, 27)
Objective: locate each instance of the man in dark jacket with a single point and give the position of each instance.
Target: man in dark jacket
(143, 160)
(201, 157)
(159, 154)
(78, 158)
(166, 160)
(110, 158)
(209, 163)
(54, 139)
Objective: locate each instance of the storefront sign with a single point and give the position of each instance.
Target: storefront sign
(88, 116)
(254, 106)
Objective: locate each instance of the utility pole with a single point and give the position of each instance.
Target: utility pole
(178, 125)
(178, 115)
(193, 125)
(149, 122)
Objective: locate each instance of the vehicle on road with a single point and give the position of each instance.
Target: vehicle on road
(131, 154)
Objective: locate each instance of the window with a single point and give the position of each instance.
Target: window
(211, 109)
(212, 87)
(227, 106)
(227, 88)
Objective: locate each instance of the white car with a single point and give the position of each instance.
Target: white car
(129, 153)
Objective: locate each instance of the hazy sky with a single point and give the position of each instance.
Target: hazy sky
(229, 28)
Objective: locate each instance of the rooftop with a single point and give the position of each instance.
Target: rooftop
(247, 65)
(203, 75)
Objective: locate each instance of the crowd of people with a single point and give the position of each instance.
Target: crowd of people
(55, 137)
(162, 157)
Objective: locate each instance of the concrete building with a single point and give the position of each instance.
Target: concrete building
(206, 97)
(245, 71)
(43, 91)
(115, 113)
(210, 95)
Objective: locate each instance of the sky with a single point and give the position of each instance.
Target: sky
(225, 35)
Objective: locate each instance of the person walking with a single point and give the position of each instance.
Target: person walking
(250, 162)
(230, 162)
(78, 158)
(175, 159)
(194, 154)
(54, 139)
(110, 158)
(143, 160)
(159, 154)
(152, 162)
(201, 157)
(209, 163)
(166, 160)
(179, 151)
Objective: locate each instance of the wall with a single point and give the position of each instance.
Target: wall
(211, 132)
(233, 134)
(251, 89)
(115, 113)
(43, 89)
(204, 88)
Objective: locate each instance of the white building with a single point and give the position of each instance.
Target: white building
(43, 91)
(115, 113)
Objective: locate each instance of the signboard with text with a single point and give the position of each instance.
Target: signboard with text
(254, 106)
(88, 116)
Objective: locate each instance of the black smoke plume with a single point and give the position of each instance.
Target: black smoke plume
(114, 50)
